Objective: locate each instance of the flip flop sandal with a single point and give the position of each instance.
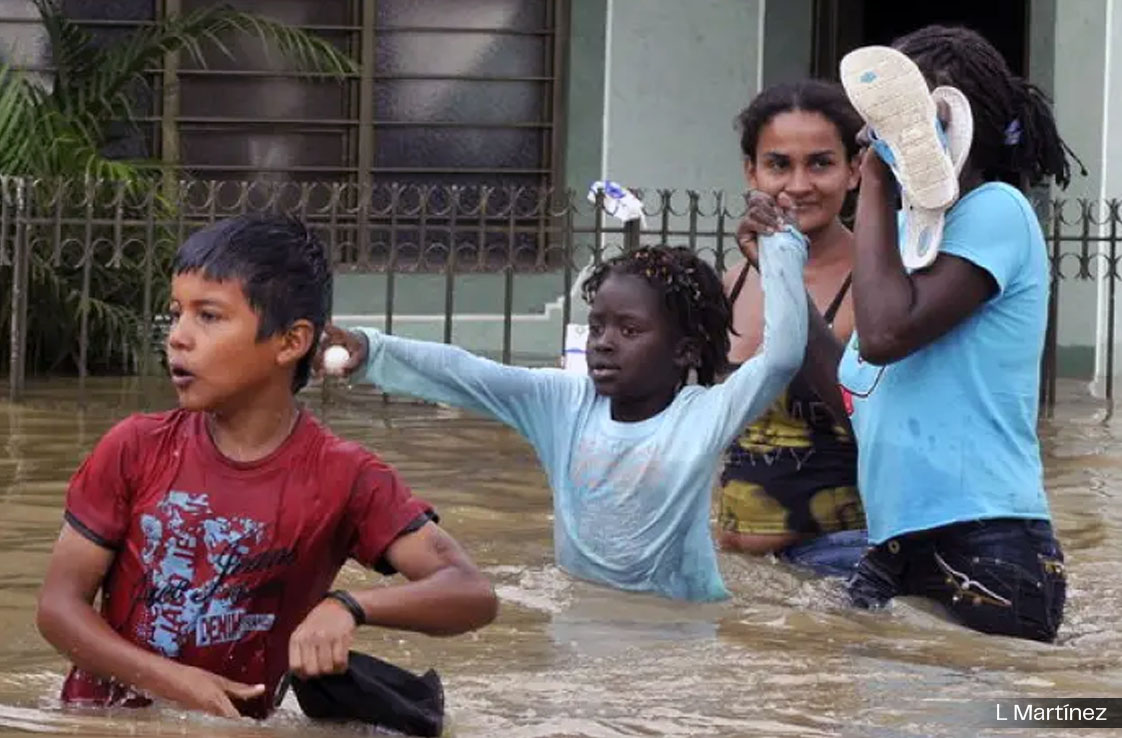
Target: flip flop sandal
(891, 94)
(923, 228)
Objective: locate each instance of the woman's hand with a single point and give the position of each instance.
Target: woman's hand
(764, 215)
(746, 241)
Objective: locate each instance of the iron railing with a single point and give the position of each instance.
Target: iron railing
(108, 246)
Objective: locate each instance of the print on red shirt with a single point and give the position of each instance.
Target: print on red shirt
(217, 562)
(194, 596)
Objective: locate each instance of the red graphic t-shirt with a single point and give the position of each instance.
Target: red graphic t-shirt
(217, 561)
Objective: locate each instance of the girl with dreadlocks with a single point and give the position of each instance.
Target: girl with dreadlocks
(942, 376)
(629, 450)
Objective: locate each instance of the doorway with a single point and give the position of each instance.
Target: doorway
(839, 26)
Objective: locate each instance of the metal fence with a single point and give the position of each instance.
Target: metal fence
(94, 256)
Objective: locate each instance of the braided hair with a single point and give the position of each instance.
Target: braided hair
(691, 292)
(1015, 136)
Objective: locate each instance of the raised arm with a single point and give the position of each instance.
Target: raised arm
(752, 387)
(767, 215)
(896, 312)
(820, 365)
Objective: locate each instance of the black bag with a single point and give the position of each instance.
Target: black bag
(374, 692)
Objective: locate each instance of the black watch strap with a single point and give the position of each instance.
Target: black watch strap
(350, 603)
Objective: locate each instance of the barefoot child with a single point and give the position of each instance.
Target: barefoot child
(214, 531)
(630, 450)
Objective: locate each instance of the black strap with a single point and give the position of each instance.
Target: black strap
(832, 310)
(736, 288)
(349, 602)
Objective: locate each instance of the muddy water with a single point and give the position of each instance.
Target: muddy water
(783, 657)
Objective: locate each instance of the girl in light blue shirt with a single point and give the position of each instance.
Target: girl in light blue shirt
(631, 450)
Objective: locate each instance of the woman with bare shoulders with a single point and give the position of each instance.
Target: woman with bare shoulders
(789, 486)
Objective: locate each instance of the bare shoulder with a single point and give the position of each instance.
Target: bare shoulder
(733, 275)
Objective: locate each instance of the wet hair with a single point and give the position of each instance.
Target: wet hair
(812, 96)
(692, 293)
(1015, 135)
(281, 265)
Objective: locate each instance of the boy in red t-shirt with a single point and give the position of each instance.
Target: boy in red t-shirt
(214, 531)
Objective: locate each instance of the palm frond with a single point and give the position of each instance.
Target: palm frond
(18, 137)
(61, 132)
(114, 71)
(71, 46)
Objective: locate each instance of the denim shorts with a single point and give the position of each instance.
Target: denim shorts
(1003, 576)
(829, 555)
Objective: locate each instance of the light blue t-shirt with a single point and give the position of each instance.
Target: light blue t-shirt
(631, 500)
(948, 434)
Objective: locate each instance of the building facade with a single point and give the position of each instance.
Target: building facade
(559, 93)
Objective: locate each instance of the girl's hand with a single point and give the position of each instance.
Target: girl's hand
(353, 341)
(872, 166)
(874, 172)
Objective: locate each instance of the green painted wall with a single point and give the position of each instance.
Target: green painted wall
(416, 294)
(478, 302)
(677, 74)
(1077, 84)
(585, 93)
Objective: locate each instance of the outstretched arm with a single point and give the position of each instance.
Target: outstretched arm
(522, 398)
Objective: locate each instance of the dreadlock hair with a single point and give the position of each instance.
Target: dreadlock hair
(691, 292)
(1015, 136)
(828, 99)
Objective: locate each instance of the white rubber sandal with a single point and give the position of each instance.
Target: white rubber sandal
(891, 94)
(923, 228)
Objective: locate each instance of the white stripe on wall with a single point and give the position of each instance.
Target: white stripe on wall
(1101, 337)
(760, 22)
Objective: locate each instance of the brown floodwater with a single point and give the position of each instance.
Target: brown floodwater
(783, 657)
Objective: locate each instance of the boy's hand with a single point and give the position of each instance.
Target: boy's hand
(199, 689)
(67, 619)
(319, 645)
(353, 341)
